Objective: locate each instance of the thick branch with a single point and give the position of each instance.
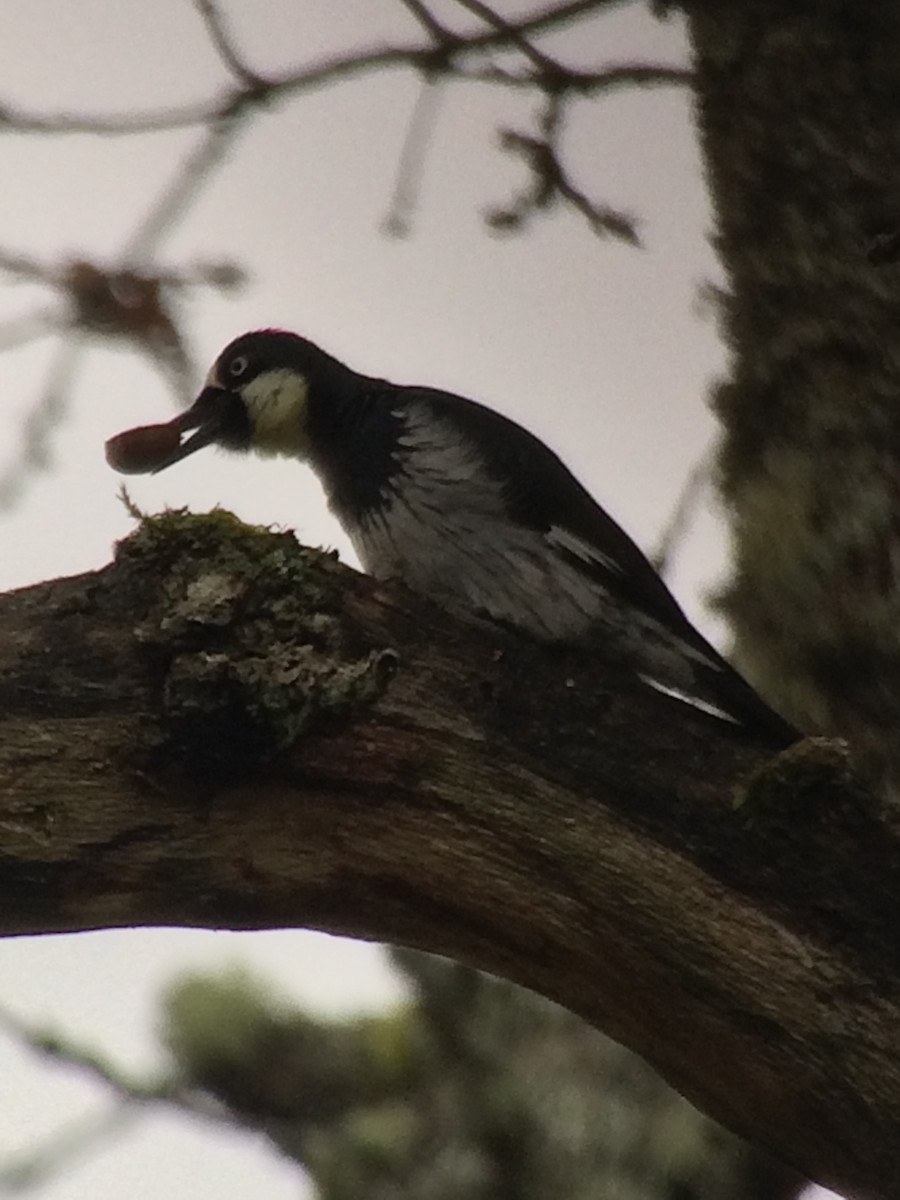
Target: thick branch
(222, 729)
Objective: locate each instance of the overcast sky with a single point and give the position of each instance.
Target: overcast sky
(601, 349)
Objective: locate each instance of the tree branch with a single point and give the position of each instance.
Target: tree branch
(224, 729)
(255, 91)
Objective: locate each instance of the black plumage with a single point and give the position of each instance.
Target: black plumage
(468, 508)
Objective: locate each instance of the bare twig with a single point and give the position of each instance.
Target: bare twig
(176, 198)
(166, 1088)
(20, 266)
(411, 167)
(41, 421)
(432, 26)
(583, 83)
(682, 515)
(550, 182)
(330, 70)
(79, 1137)
(517, 38)
(21, 330)
(540, 22)
(603, 219)
(98, 301)
(225, 48)
(35, 1167)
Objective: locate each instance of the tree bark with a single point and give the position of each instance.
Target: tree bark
(799, 115)
(222, 729)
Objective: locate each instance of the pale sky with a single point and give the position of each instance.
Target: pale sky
(601, 349)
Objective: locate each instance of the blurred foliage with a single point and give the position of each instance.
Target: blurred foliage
(474, 1090)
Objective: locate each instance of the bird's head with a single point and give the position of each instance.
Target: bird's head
(255, 397)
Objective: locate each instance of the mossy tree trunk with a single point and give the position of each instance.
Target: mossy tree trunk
(798, 106)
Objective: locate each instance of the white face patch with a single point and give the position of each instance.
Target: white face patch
(276, 407)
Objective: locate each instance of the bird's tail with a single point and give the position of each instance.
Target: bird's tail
(721, 689)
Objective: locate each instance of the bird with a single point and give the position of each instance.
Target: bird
(468, 509)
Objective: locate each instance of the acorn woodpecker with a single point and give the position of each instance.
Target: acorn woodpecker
(467, 508)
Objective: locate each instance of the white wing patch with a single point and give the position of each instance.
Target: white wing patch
(564, 539)
(689, 698)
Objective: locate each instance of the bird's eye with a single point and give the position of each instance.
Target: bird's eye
(238, 366)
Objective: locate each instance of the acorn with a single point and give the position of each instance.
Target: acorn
(143, 449)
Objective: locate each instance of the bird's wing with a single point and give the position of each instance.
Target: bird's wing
(544, 495)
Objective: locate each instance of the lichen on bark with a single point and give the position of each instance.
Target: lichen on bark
(244, 635)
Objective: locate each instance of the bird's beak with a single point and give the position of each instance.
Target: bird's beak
(206, 417)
